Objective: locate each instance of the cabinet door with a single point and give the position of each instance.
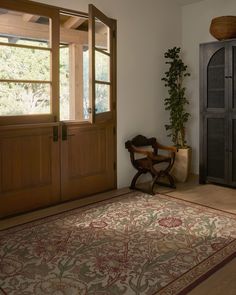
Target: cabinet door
(231, 81)
(232, 151)
(232, 77)
(214, 108)
(216, 148)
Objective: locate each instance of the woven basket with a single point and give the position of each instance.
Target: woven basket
(223, 27)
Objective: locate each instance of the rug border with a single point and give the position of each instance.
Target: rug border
(195, 203)
(207, 275)
(202, 277)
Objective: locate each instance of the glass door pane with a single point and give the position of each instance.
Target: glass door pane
(74, 68)
(25, 64)
(102, 67)
(101, 57)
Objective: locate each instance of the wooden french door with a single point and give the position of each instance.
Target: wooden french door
(44, 161)
(88, 149)
(29, 145)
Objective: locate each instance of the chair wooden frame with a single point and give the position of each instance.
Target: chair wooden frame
(146, 164)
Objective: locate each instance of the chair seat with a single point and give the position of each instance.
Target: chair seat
(147, 163)
(160, 158)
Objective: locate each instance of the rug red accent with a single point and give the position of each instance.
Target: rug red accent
(133, 244)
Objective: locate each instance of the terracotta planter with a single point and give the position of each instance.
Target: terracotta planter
(223, 27)
(181, 169)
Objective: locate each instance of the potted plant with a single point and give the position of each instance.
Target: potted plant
(176, 104)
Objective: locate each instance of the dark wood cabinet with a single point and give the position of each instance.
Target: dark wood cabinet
(218, 112)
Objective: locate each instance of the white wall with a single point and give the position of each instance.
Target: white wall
(196, 19)
(145, 30)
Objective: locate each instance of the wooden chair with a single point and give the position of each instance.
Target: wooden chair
(152, 162)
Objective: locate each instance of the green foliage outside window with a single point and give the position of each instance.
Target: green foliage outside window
(24, 98)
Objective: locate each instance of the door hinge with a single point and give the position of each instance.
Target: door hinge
(114, 166)
(114, 130)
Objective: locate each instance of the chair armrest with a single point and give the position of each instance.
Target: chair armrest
(167, 148)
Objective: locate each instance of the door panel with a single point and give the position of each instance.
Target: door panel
(29, 169)
(88, 160)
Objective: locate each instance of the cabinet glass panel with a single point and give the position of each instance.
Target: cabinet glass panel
(234, 78)
(234, 151)
(216, 147)
(216, 80)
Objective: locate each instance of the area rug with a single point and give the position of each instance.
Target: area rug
(131, 245)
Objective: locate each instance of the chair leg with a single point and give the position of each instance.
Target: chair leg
(154, 181)
(134, 180)
(171, 180)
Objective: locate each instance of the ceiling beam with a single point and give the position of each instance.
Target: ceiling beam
(30, 17)
(74, 22)
(15, 26)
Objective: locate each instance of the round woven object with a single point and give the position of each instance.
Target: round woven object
(223, 27)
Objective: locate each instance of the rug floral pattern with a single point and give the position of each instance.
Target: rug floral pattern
(131, 245)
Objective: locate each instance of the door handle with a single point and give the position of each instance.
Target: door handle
(55, 133)
(64, 132)
(65, 135)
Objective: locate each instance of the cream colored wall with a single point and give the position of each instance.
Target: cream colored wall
(196, 19)
(145, 30)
